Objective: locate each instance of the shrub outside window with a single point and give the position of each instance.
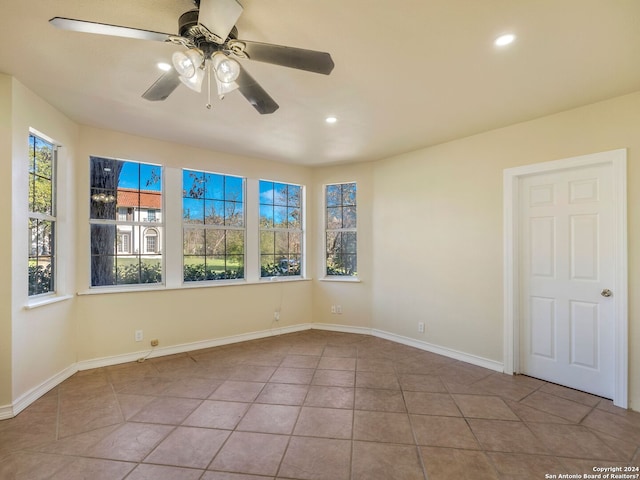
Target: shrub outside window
(42, 216)
(213, 226)
(281, 229)
(341, 232)
(126, 248)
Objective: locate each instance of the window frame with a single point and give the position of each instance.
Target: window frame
(301, 231)
(33, 137)
(137, 229)
(213, 227)
(326, 230)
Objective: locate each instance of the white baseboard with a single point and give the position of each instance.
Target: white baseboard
(9, 411)
(6, 412)
(23, 401)
(332, 327)
(188, 347)
(444, 351)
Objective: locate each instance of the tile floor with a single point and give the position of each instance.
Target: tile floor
(314, 405)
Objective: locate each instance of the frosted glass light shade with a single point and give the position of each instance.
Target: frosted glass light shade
(225, 68)
(187, 63)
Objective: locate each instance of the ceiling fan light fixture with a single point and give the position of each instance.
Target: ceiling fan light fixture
(226, 69)
(188, 63)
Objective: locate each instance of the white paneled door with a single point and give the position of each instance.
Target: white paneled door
(567, 275)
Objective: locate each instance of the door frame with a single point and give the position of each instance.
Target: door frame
(511, 288)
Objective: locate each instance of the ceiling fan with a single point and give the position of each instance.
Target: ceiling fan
(210, 37)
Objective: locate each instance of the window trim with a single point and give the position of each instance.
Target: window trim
(183, 225)
(302, 231)
(337, 278)
(54, 293)
(159, 226)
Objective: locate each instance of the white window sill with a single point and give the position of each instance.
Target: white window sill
(190, 285)
(338, 278)
(41, 302)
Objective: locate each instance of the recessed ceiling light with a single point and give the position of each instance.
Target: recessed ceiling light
(504, 40)
(331, 119)
(165, 67)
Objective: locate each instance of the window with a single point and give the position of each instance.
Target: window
(280, 229)
(124, 243)
(151, 240)
(42, 216)
(122, 192)
(213, 226)
(341, 233)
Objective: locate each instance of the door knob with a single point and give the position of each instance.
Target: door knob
(606, 292)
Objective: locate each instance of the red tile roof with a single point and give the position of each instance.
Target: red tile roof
(128, 197)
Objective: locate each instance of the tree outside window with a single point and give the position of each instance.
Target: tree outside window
(213, 226)
(341, 232)
(42, 216)
(281, 233)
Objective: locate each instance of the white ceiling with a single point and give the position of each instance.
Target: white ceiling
(408, 74)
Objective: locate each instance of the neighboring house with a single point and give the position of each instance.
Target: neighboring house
(145, 208)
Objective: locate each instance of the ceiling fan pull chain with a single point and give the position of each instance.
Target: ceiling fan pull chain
(208, 67)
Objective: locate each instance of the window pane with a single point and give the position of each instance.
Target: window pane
(235, 242)
(334, 195)
(349, 217)
(192, 184)
(192, 210)
(233, 189)
(266, 216)
(280, 195)
(348, 194)
(214, 212)
(282, 243)
(129, 193)
(193, 241)
(266, 192)
(294, 196)
(234, 214)
(267, 242)
(293, 217)
(334, 218)
(280, 217)
(214, 186)
(214, 242)
(194, 268)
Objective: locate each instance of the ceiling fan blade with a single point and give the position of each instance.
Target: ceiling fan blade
(106, 29)
(255, 94)
(309, 60)
(219, 17)
(162, 87)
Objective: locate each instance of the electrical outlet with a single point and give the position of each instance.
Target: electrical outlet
(333, 309)
(420, 327)
(339, 309)
(155, 342)
(138, 335)
(276, 315)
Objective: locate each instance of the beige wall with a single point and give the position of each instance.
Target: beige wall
(106, 322)
(5, 241)
(437, 216)
(354, 298)
(44, 338)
